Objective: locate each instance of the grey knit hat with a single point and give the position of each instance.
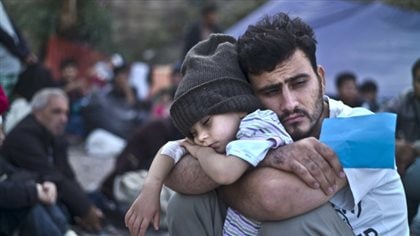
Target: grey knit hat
(213, 83)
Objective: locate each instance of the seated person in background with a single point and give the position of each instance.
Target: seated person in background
(369, 93)
(116, 108)
(25, 205)
(407, 108)
(76, 89)
(29, 207)
(36, 144)
(346, 87)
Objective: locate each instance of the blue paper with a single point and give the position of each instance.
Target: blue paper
(366, 141)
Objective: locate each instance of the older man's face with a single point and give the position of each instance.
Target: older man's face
(55, 115)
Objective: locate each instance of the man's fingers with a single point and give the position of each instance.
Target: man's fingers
(302, 172)
(325, 175)
(331, 158)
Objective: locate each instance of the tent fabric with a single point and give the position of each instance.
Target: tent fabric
(373, 40)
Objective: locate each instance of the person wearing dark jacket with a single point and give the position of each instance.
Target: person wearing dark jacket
(29, 207)
(25, 205)
(37, 145)
(202, 28)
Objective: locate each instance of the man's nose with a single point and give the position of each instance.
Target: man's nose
(64, 118)
(289, 100)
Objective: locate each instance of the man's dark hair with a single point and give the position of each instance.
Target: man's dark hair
(415, 68)
(343, 77)
(274, 39)
(368, 86)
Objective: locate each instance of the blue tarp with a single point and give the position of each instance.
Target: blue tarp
(374, 40)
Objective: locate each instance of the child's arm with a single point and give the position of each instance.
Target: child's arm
(146, 208)
(221, 168)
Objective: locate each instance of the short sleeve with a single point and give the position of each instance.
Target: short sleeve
(258, 132)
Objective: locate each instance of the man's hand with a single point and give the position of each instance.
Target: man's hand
(312, 161)
(47, 192)
(405, 155)
(92, 220)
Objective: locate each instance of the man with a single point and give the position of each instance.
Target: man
(117, 108)
(37, 145)
(407, 107)
(27, 206)
(369, 93)
(201, 29)
(347, 92)
(278, 55)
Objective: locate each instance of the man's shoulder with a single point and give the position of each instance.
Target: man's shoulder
(26, 128)
(339, 109)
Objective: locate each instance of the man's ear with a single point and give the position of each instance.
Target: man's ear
(321, 74)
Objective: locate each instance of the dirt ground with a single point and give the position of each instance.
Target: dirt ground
(90, 171)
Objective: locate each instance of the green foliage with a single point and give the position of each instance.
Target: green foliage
(39, 20)
(94, 24)
(37, 24)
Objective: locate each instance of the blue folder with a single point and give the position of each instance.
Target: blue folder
(366, 141)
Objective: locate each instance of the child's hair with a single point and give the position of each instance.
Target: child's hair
(213, 83)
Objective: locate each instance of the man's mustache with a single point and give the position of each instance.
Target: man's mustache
(297, 110)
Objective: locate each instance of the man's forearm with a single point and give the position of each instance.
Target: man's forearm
(189, 178)
(268, 194)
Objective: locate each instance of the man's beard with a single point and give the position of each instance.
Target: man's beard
(314, 119)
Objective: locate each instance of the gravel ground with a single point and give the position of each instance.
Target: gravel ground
(90, 171)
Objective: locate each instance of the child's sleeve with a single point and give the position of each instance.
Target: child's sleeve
(258, 132)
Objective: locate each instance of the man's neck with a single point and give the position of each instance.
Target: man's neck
(325, 114)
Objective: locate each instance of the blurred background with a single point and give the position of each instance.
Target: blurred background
(154, 32)
(119, 62)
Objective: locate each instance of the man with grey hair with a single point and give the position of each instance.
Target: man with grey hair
(37, 144)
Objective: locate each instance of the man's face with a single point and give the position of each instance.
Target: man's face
(70, 73)
(294, 92)
(416, 83)
(54, 115)
(348, 92)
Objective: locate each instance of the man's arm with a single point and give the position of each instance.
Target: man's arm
(278, 192)
(309, 159)
(268, 194)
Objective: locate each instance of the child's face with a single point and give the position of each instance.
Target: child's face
(216, 131)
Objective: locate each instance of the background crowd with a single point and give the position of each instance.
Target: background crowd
(78, 96)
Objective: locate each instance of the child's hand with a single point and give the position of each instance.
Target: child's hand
(144, 210)
(194, 149)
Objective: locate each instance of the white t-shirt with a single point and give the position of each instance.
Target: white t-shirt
(374, 202)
